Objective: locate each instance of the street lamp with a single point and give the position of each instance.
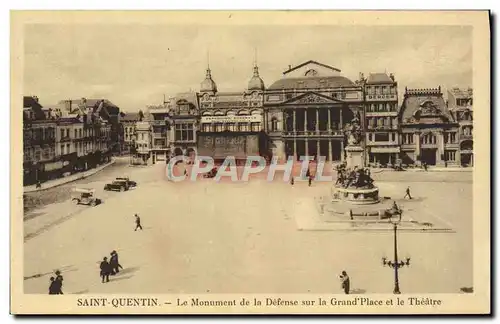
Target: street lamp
(396, 263)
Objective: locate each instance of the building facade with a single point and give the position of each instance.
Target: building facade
(57, 141)
(143, 140)
(381, 119)
(160, 129)
(460, 103)
(231, 123)
(128, 121)
(429, 133)
(307, 110)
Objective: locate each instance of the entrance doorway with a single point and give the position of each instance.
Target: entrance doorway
(428, 156)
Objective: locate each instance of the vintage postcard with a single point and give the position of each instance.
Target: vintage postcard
(234, 162)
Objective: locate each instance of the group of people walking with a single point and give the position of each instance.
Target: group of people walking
(55, 287)
(111, 267)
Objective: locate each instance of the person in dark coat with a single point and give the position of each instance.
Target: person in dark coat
(52, 286)
(58, 283)
(137, 222)
(114, 264)
(105, 270)
(346, 282)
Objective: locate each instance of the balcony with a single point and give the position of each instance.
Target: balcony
(158, 123)
(159, 135)
(314, 133)
(65, 139)
(382, 127)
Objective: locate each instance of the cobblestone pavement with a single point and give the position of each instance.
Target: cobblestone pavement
(242, 238)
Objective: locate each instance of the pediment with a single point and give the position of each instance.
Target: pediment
(311, 98)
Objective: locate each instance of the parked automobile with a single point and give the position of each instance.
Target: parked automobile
(128, 181)
(118, 185)
(84, 196)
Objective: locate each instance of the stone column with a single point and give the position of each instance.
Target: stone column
(330, 150)
(342, 151)
(307, 146)
(295, 149)
(318, 147)
(305, 121)
(341, 126)
(416, 140)
(329, 120)
(440, 150)
(317, 120)
(294, 121)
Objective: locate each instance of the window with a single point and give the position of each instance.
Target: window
(67, 132)
(231, 127)
(372, 107)
(244, 127)
(381, 137)
(407, 138)
(80, 132)
(370, 137)
(393, 135)
(274, 125)
(219, 127)
(255, 127)
(184, 132)
(76, 133)
(68, 148)
(206, 127)
(429, 139)
(62, 149)
(449, 155)
(62, 132)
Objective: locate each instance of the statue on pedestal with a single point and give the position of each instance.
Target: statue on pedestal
(355, 178)
(353, 130)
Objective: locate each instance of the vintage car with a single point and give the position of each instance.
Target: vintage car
(84, 196)
(128, 181)
(119, 185)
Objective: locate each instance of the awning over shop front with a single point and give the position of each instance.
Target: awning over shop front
(384, 150)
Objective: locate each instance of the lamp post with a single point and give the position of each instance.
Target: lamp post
(396, 263)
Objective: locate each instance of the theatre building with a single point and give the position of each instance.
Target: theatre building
(231, 123)
(307, 110)
(382, 133)
(429, 132)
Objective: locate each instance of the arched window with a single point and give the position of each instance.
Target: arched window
(274, 124)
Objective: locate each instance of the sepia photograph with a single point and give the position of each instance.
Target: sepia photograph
(250, 162)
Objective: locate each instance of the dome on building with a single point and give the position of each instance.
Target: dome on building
(208, 85)
(256, 82)
(312, 82)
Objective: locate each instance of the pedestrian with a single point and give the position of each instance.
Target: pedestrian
(38, 184)
(114, 264)
(310, 180)
(407, 193)
(52, 286)
(58, 283)
(105, 270)
(425, 166)
(292, 181)
(137, 222)
(346, 282)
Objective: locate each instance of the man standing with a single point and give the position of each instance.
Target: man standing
(52, 287)
(346, 282)
(137, 222)
(105, 270)
(407, 193)
(58, 282)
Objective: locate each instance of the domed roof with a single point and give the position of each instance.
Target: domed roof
(256, 82)
(208, 85)
(311, 83)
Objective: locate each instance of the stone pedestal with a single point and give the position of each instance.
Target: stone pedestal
(354, 156)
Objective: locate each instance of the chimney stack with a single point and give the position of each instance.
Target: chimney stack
(391, 76)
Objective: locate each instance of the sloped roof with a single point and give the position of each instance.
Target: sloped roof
(311, 83)
(308, 62)
(411, 103)
(377, 78)
(30, 102)
(190, 97)
(130, 117)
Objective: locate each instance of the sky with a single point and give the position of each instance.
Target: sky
(135, 65)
